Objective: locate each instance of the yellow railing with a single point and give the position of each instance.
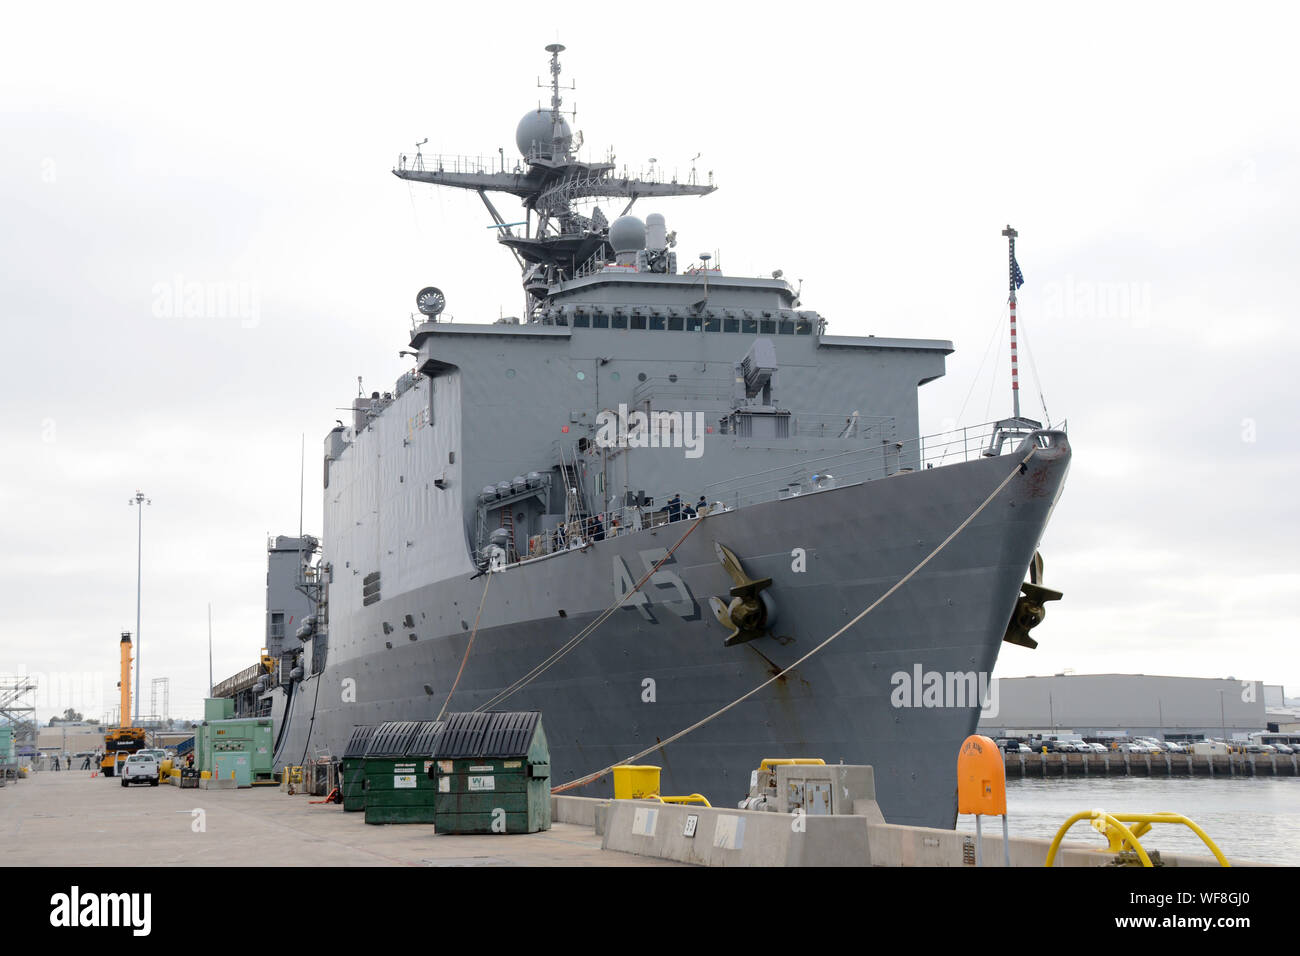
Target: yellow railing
(1111, 826)
(693, 798)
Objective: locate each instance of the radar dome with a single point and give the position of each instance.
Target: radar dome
(535, 130)
(627, 234)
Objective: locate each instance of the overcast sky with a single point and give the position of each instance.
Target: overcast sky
(1149, 156)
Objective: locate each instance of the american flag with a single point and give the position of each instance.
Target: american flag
(1015, 273)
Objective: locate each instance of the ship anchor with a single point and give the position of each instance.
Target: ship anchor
(750, 612)
(1030, 611)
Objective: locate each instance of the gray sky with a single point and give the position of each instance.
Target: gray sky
(1150, 158)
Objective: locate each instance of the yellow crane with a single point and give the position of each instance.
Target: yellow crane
(124, 739)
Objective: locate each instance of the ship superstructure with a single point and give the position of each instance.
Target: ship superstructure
(655, 489)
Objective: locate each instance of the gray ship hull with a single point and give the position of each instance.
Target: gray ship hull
(653, 669)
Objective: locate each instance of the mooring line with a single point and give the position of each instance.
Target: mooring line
(465, 659)
(582, 635)
(591, 777)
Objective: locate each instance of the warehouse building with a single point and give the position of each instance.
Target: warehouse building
(1120, 705)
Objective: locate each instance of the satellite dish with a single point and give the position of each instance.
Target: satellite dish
(430, 301)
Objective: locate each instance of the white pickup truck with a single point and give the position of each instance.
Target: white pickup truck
(140, 768)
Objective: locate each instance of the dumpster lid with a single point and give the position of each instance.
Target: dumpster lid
(490, 734)
(424, 741)
(359, 741)
(391, 738)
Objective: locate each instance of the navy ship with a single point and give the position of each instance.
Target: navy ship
(655, 490)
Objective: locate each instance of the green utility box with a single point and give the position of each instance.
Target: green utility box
(218, 708)
(216, 740)
(397, 788)
(492, 772)
(353, 785)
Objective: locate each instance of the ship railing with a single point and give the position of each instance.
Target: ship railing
(804, 476)
(241, 681)
(660, 387)
(449, 163)
(880, 459)
(863, 427)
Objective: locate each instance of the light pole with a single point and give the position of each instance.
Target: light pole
(139, 501)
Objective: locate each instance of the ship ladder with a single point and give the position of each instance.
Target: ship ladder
(508, 523)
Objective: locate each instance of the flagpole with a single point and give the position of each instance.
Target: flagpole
(1011, 277)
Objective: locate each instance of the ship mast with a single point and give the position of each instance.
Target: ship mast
(1014, 280)
(1015, 426)
(549, 182)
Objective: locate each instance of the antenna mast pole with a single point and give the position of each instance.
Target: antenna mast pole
(1014, 281)
(555, 49)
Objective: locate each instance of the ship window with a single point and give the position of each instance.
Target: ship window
(600, 321)
(638, 321)
(802, 326)
(672, 377)
(693, 324)
(656, 323)
(561, 319)
(510, 373)
(582, 376)
(767, 327)
(640, 376)
(748, 326)
(785, 327)
(277, 626)
(731, 325)
(581, 321)
(613, 376)
(712, 324)
(620, 321)
(675, 323)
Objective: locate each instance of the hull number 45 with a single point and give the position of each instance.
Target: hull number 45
(664, 588)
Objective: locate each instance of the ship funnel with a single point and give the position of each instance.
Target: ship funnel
(656, 232)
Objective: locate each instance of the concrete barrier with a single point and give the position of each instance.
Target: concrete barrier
(721, 837)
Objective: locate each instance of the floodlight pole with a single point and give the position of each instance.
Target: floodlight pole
(139, 501)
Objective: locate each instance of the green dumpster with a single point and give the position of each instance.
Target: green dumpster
(398, 789)
(354, 768)
(492, 772)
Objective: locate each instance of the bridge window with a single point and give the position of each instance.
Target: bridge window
(731, 325)
(785, 327)
(277, 626)
(749, 326)
(712, 324)
(600, 321)
(638, 321)
(693, 324)
(767, 326)
(581, 321)
(620, 322)
(675, 323)
(802, 326)
(656, 323)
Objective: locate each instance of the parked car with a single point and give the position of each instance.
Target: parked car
(140, 768)
(1097, 748)
(1284, 748)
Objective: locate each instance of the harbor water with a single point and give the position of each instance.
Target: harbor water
(1250, 818)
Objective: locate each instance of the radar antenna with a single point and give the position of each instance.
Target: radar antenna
(551, 180)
